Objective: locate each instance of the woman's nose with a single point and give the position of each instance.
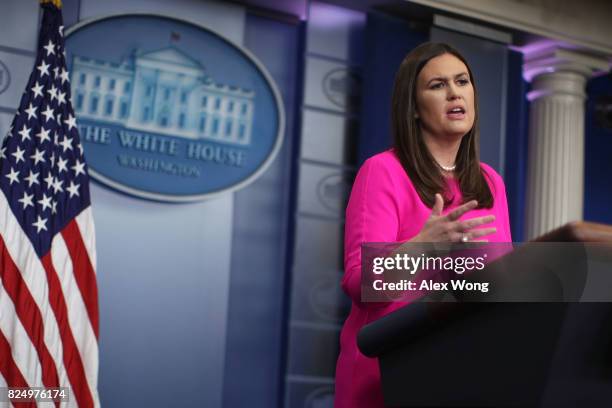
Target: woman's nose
(452, 92)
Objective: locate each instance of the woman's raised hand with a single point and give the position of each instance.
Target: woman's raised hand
(448, 228)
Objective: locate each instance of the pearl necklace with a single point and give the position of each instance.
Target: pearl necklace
(448, 168)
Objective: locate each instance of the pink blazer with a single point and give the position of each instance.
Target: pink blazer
(385, 207)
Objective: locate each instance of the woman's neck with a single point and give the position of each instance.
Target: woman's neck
(443, 150)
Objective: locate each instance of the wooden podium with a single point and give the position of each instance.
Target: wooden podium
(472, 353)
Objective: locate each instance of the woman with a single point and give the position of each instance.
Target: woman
(430, 187)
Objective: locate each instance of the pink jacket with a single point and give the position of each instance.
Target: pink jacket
(385, 207)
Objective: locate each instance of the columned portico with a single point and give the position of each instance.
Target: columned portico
(555, 183)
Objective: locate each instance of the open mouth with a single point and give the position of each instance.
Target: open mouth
(456, 113)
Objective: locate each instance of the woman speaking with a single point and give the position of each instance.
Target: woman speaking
(430, 187)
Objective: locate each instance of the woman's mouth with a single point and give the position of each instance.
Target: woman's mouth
(457, 113)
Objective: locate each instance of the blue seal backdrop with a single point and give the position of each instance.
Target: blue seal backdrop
(169, 110)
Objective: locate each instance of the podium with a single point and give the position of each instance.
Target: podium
(470, 353)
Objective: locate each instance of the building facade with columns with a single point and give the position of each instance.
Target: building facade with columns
(163, 91)
(558, 78)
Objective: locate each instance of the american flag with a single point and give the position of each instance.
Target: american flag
(48, 293)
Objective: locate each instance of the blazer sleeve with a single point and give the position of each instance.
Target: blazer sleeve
(372, 215)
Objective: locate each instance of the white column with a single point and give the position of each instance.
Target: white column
(556, 136)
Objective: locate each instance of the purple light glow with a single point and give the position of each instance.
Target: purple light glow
(536, 47)
(531, 96)
(535, 50)
(330, 16)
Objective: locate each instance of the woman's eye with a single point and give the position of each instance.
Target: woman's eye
(463, 82)
(437, 85)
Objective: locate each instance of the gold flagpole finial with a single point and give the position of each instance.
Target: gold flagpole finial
(56, 3)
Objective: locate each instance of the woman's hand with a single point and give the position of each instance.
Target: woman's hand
(448, 228)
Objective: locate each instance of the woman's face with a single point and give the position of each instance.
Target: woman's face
(445, 98)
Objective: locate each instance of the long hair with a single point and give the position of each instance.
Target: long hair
(410, 147)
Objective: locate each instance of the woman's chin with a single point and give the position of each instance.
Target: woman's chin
(455, 134)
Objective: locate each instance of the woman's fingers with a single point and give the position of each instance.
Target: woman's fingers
(458, 237)
(473, 235)
(475, 222)
(462, 209)
(438, 205)
(449, 228)
(481, 232)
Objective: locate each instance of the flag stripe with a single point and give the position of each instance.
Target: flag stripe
(28, 314)
(21, 348)
(9, 369)
(72, 357)
(3, 383)
(83, 334)
(24, 258)
(83, 272)
(88, 234)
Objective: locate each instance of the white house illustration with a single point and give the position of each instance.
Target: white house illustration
(163, 91)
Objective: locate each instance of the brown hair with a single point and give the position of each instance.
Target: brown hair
(410, 147)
